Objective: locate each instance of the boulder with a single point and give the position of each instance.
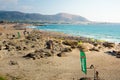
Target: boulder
(30, 55)
(67, 49)
(108, 44)
(95, 44)
(49, 44)
(85, 46)
(38, 54)
(43, 53)
(117, 54)
(33, 36)
(95, 49)
(114, 53)
(72, 43)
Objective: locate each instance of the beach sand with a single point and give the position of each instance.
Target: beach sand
(15, 67)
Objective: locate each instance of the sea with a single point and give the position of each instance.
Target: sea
(106, 32)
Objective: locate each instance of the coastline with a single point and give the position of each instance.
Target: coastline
(51, 66)
(105, 32)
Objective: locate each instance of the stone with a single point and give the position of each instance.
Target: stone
(72, 43)
(0, 47)
(114, 53)
(67, 49)
(85, 47)
(7, 47)
(4, 42)
(13, 62)
(1, 33)
(108, 44)
(32, 46)
(25, 48)
(94, 49)
(95, 44)
(85, 78)
(49, 44)
(62, 54)
(118, 54)
(18, 48)
(29, 55)
(38, 54)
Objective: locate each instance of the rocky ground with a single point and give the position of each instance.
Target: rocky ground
(27, 54)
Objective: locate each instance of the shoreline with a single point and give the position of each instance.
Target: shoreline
(74, 36)
(30, 56)
(95, 36)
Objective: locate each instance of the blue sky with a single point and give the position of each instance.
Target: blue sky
(94, 10)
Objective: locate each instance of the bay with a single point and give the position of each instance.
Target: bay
(107, 32)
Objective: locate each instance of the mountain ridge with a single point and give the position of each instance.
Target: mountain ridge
(60, 17)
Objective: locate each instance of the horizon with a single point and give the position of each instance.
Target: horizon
(93, 10)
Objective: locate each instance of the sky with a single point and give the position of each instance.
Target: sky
(93, 10)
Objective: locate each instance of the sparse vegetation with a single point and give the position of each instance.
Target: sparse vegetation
(2, 78)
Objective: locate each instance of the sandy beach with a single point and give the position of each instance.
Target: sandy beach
(28, 58)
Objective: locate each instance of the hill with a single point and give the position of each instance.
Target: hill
(20, 16)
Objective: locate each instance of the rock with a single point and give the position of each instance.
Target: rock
(32, 46)
(62, 54)
(72, 43)
(94, 49)
(13, 36)
(49, 44)
(118, 54)
(114, 53)
(10, 36)
(25, 48)
(95, 44)
(26, 42)
(26, 33)
(18, 48)
(33, 39)
(38, 54)
(1, 33)
(30, 55)
(0, 47)
(7, 47)
(11, 44)
(13, 63)
(85, 46)
(67, 49)
(85, 78)
(108, 44)
(4, 42)
(33, 36)
(28, 37)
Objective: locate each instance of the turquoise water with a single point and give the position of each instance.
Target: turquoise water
(108, 32)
